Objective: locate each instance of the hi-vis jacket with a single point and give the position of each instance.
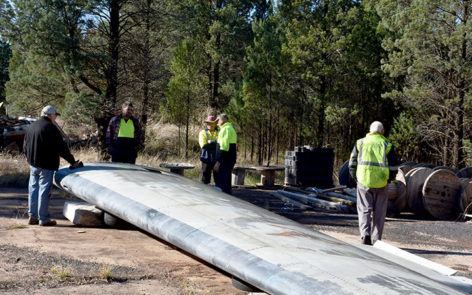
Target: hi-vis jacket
(206, 135)
(227, 139)
(370, 159)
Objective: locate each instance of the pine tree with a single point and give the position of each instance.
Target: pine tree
(430, 50)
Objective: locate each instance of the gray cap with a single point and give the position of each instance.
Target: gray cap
(223, 117)
(376, 126)
(49, 110)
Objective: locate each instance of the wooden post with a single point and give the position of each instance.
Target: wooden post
(268, 177)
(237, 176)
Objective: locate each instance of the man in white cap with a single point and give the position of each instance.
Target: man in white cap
(369, 165)
(43, 146)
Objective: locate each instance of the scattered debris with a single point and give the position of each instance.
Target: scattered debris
(12, 132)
(317, 198)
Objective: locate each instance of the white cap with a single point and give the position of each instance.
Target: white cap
(376, 126)
(49, 110)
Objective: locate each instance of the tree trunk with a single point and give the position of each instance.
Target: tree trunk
(269, 131)
(111, 76)
(259, 152)
(321, 115)
(187, 122)
(252, 149)
(459, 124)
(178, 143)
(146, 70)
(277, 136)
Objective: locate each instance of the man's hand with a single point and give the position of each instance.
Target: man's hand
(77, 164)
(216, 168)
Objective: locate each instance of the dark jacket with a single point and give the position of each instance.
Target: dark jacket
(44, 145)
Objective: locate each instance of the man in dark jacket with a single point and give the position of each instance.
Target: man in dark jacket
(43, 146)
(124, 136)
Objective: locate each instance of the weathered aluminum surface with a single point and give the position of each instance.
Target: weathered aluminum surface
(266, 250)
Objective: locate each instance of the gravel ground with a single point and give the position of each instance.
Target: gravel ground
(66, 259)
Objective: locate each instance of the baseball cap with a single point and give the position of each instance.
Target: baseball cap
(49, 110)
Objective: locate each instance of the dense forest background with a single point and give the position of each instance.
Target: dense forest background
(287, 73)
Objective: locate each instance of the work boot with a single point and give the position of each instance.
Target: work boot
(50, 222)
(32, 220)
(366, 240)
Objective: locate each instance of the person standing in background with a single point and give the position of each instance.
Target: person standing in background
(225, 153)
(124, 136)
(207, 140)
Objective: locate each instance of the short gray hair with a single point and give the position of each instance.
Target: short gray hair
(376, 126)
(223, 117)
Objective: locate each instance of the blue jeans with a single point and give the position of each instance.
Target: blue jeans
(39, 188)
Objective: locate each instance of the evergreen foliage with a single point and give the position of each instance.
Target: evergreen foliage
(287, 72)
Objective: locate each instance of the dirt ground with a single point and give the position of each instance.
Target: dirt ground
(66, 259)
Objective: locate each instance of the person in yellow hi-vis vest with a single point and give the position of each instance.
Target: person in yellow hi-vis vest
(225, 154)
(124, 136)
(369, 166)
(207, 140)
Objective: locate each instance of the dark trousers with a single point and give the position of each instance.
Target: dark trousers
(207, 169)
(223, 178)
(123, 156)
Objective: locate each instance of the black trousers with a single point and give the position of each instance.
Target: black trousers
(207, 169)
(123, 156)
(223, 178)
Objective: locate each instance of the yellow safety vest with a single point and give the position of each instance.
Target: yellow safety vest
(372, 165)
(126, 128)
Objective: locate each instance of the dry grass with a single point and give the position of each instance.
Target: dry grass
(17, 226)
(14, 170)
(162, 142)
(105, 273)
(61, 273)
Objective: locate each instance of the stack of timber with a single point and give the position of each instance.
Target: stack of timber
(331, 199)
(309, 166)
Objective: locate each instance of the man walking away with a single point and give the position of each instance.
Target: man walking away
(43, 146)
(369, 165)
(124, 136)
(207, 140)
(225, 154)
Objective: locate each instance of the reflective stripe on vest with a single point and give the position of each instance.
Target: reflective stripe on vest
(384, 160)
(208, 135)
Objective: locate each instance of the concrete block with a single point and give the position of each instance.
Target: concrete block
(83, 214)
